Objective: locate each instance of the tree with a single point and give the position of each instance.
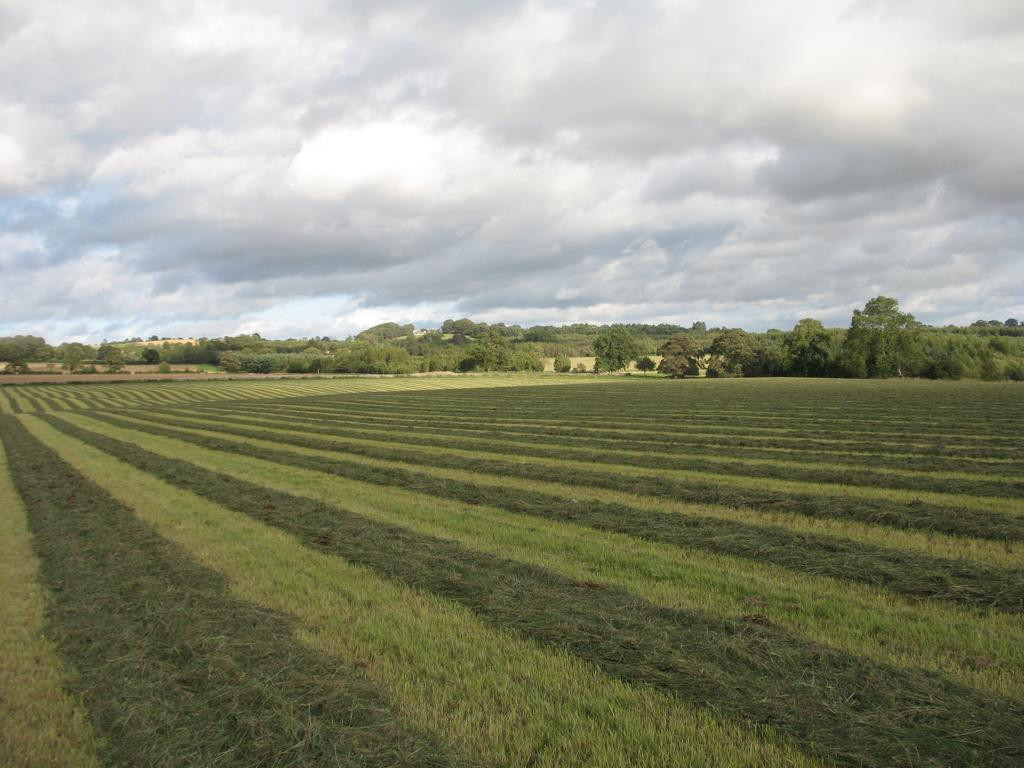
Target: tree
(230, 362)
(73, 355)
(25, 349)
(15, 367)
(491, 352)
(525, 360)
(385, 331)
(151, 355)
(562, 363)
(645, 364)
(681, 356)
(114, 359)
(735, 353)
(614, 348)
(809, 348)
(882, 341)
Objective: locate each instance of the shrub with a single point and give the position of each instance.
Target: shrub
(1015, 370)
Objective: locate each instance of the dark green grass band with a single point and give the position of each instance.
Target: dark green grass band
(656, 442)
(172, 669)
(910, 415)
(839, 706)
(558, 448)
(901, 514)
(908, 573)
(952, 441)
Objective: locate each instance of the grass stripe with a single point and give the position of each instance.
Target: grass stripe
(820, 471)
(143, 393)
(841, 707)
(905, 573)
(666, 426)
(990, 517)
(902, 463)
(41, 726)
(166, 658)
(502, 700)
(691, 414)
(985, 652)
(17, 404)
(1004, 554)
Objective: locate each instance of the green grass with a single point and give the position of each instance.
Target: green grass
(164, 657)
(999, 518)
(41, 725)
(868, 621)
(744, 668)
(915, 575)
(499, 699)
(641, 572)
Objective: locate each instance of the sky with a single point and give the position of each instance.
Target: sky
(308, 169)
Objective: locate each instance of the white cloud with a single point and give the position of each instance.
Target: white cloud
(228, 163)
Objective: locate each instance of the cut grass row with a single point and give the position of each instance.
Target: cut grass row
(816, 471)
(995, 518)
(1004, 554)
(907, 573)
(659, 403)
(955, 444)
(841, 707)
(164, 655)
(823, 398)
(41, 726)
(36, 398)
(982, 651)
(709, 446)
(501, 700)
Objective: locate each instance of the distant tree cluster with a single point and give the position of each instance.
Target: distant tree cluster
(881, 341)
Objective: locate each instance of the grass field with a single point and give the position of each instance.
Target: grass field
(512, 571)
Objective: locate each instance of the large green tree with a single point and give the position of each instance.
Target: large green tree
(114, 358)
(681, 355)
(74, 354)
(734, 353)
(809, 349)
(25, 349)
(614, 348)
(491, 352)
(882, 341)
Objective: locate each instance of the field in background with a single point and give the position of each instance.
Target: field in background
(511, 570)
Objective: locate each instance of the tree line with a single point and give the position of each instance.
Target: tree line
(881, 341)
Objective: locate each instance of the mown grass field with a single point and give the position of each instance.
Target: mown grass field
(512, 571)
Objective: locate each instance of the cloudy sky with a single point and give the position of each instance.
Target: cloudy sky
(313, 168)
